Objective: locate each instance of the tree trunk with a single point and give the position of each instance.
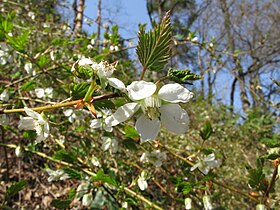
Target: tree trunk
(79, 18)
(241, 79)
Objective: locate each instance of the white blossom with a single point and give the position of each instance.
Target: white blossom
(158, 107)
(87, 199)
(28, 68)
(155, 157)
(56, 175)
(44, 93)
(35, 121)
(207, 202)
(75, 114)
(110, 144)
(207, 164)
(4, 96)
(99, 122)
(142, 182)
(188, 203)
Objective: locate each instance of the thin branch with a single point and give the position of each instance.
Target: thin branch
(59, 105)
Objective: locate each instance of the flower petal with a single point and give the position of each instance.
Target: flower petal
(174, 93)
(147, 129)
(26, 123)
(116, 83)
(95, 123)
(122, 114)
(31, 113)
(85, 61)
(138, 90)
(40, 92)
(174, 118)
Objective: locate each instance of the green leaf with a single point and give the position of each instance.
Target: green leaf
(73, 173)
(79, 90)
(29, 85)
(256, 179)
(274, 142)
(181, 76)
(130, 132)
(207, 130)
(272, 156)
(105, 178)
(61, 204)
(153, 48)
(129, 144)
(15, 188)
(19, 42)
(43, 60)
(276, 82)
(104, 104)
(66, 156)
(71, 194)
(184, 187)
(29, 134)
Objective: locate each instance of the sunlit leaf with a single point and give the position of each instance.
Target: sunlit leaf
(182, 76)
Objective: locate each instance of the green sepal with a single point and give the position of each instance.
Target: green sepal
(182, 76)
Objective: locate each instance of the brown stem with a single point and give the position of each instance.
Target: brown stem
(273, 178)
(5, 153)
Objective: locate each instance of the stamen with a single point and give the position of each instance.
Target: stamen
(150, 107)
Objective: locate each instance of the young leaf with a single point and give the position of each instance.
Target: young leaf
(181, 76)
(207, 130)
(153, 48)
(105, 178)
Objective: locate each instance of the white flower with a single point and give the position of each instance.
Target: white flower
(99, 121)
(110, 144)
(188, 203)
(4, 96)
(44, 93)
(75, 114)
(207, 164)
(103, 69)
(142, 182)
(207, 202)
(155, 157)
(35, 121)
(95, 161)
(56, 175)
(28, 68)
(158, 106)
(5, 56)
(87, 199)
